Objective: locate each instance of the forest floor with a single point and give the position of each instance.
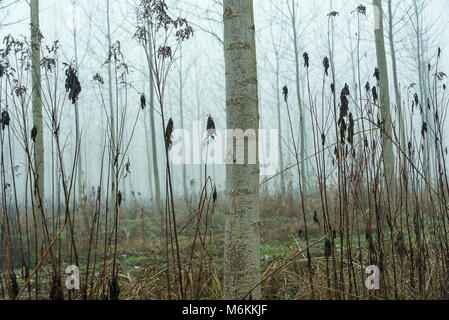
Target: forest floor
(142, 260)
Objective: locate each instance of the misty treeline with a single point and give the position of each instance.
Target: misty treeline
(92, 103)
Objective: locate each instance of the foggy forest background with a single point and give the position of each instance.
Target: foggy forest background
(196, 83)
(361, 178)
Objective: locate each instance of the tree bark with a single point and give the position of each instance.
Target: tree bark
(242, 222)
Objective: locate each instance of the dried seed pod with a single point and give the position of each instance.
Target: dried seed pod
(343, 127)
(128, 167)
(285, 93)
(376, 74)
(164, 52)
(97, 77)
(375, 95)
(416, 99)
(143, 101)
(326, 65)
(346, 90)
(5, 120)
(344, 102)
(361, 9)
(169, 134)
(119, 198)
(34, 133)
(214, 195)
(306, 59)
(351, 130)
(440, 76)
(367, 87)
(424, 129)
(72, 84)
(379, 121)
(211, 131)
(2, 70)
(333, 14)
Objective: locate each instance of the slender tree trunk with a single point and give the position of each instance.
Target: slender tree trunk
(181, 85)
(37, 118)
(198, 118)
(111, 110)
(157, 185)
(422, 87)
(147, 149)
(395, 76)
(77, 121)
(242, 222)
(353, 64)
(385, 104)
(302, 128)
(278, 103)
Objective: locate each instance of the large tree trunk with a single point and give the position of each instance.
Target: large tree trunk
(385, 104)
(37, 120)
(242, 226)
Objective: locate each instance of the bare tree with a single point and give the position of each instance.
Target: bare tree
(395, 74)
(77, 121)
(37, 131)
(384, 101)
(302, 137)
(111, 103)
(157, 185)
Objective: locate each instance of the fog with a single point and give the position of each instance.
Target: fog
(202, 74)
